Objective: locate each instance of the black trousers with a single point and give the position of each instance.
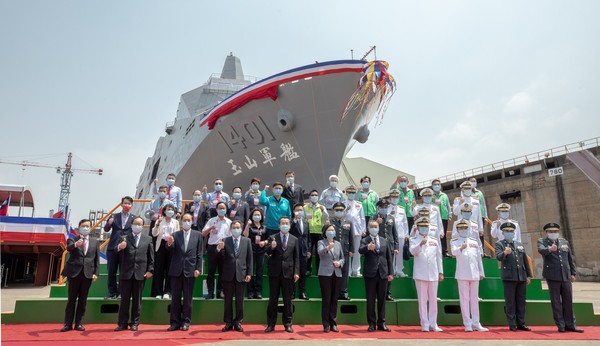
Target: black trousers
(286, 286)
(345, 276)
(561, 297)
(330, 290)
(314, 240)
(376, 288)
(229, 289)
(131, 292)
(303, 264)
(181, 313)
(79, 288)
(256, 283)
(162, 261)
(215, 263)
(514, 302)
(443, 237)
(113, 261)
(411, 221)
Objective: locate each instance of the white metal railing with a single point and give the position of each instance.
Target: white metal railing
(247, 78)
(517, 161)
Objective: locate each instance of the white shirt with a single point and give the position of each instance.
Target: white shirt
(435, 216)
(469, 265)
(222, 230)
(400, 219)
(331, 196)
(497, 232)
(356, 215)
(427, 258)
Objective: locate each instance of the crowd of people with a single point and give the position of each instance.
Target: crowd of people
(241, 233)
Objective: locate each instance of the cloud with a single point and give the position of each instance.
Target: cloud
(520, 102)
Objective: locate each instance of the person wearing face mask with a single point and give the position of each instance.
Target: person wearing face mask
(356, 215)
(137, 265)
(173, 193)
(473, 229)
(503, 217)
(284, 269)
(216, 228)
(423, 212)
(332, 194)
(293, 192)
(387, 230)
(119, 226)
(277, 207)
(255, 231)
(345, 235)
(198, 210)
(401, 222)
(213, 198)
(81, 269)
(236, 252)
(559, 271)
(368, 198)
(467, 197)
(427, 273)
(317, 216)
(186, 266)
(480, 196)
(252, 196)
(330, 276)
(435, 216)
(237, 208)
(441, 200)
(299, 229)
(378, 272)
(406, 198)
(155, 209)
(162, 231)
(469, 271)
(516, 275)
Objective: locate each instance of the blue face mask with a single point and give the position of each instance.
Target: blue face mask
(373, 231)
(256, 218)
(197, 198)
(466, 215)
(237, 195)
(255, 187)
(236, 232)
(84, 231)
(473, 184)
(170, 182)
(403, 184)
(383, 211)
(437, 188)
(338, 214)
(333, 184)
(221, 212)
(365, 185)
(277, 192)
(504, 215)
(330, 234)
(170, 213)
(423, 230)
(290, 180)
(351, 196)
(284, 228)
(314, 199)
(395, 201)
(509, 236)
(218, 187)
(463, 233)
(427, 200)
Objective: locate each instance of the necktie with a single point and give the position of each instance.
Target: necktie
(186, 239)
(377, 244)
(85, 245)
(285, 241)
(136, 238)
(169, 193)
(236, 248)
(218, 197)
(301, 227)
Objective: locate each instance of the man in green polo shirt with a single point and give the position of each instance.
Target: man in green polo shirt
(316, 216)
(441, 200)
(406, 198)
(368, 198)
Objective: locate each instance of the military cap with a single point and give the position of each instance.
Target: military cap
(351, 189)
(383, 203)
(339, 205)
(508, 226)
(466, 207)
(503, 207)
(551, 227)
(422, 221)
(424, 212)
(426, 191)
(394, 193)
(466, 185)
(463, 223)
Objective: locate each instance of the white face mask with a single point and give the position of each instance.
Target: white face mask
(467, 193)
(463, 233)
(552, 236)
(136, 229)
(186, 225)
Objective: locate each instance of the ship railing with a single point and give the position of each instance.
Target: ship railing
(517, 161)
(252, 79)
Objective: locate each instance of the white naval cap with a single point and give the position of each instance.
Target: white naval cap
(503, 207)
(426, 191)
(466, 185)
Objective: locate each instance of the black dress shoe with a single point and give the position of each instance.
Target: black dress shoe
(173, 327)
(384, 328)
(221, 295)
(303, 296)
(512, 328)
(238, 327)
(66, 328)
(334, 328)
(325, 329)
(371, 328)
(574, 329)
(134, 327)
(289, 329)
(80, 328)
(389, 299)
(258, 296)
(185, 327)
(561, 330)
(120, 328)
(269, 329)
(524, 327)
(344, 297)
(228, 327)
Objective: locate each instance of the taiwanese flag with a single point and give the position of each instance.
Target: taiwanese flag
(61, 214)
(4, 207)
(72, 232)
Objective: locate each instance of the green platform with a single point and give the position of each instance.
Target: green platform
(403, 311)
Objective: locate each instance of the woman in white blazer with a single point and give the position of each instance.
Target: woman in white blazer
(330, 277)
(165, 226)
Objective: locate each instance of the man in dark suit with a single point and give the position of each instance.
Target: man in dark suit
(137, 265)
(236, 252)
(516, 275)
(387, 230)
(378, 272)
(293, 192)
(344, 233)
(284, 270)
(559, 272)
(119, 226)
(198, 210)
(186, 266)
(299, 229)
(237, 208)
(82, 268)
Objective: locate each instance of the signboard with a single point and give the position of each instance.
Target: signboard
(555, 171)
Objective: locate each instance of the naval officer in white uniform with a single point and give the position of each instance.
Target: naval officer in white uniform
(401, 221)
(435, 216)
(469, 271)
(466, 196)
(427, 272)
(473, 227)
(503, 217)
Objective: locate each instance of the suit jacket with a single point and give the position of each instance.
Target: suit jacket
(387, 230)
(242, 213)
(285, 262)
(295, 196)
(344, 234)
(558, 265)
(118, 230)
(202, 214)
(236, 267)
(326, 267)
(89, 263)
(377, 261)
(136, 261)
(186, 262)
(515, 266)
(303, 238)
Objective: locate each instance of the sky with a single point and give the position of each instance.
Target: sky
(478, 81)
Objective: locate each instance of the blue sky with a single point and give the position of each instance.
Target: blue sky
(478, 81)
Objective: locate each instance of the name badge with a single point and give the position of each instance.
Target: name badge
(309, 216)
(364, 196)
(257, 239)
(432, 243)
(255, 200)
(232, 214)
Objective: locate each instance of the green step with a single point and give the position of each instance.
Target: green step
(401, 312)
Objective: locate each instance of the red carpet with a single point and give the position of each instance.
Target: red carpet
(99, 334)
